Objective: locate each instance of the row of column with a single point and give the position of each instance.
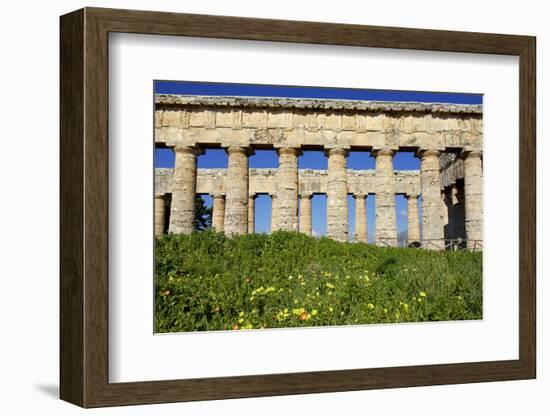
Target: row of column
(234, 212)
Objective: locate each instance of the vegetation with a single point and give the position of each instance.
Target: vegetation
(207, 281)
(203, 215)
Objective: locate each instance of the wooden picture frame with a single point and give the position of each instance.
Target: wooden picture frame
(84, 207)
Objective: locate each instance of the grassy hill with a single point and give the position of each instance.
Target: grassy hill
(207, 281)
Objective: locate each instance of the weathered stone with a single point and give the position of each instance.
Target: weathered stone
(473, 188)
(439, 132)
(159, 214)
(236, 203)
(337, 195)
(287, 189)
(361, 234)
(250, 121)
(305, 213)
(218, 212)
(430, 182)
(386, 226)
(182, 212)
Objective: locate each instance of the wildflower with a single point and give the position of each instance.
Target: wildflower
(370, 306)
(241, 314)
(241, 320)
(331, 309)
(330, 285)
(422, 294)
(313, 312)
(235, 327)
(304, 316)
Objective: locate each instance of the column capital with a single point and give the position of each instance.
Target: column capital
(360, 195)
(470, 154)
(194, 150)
(218, 195)
(412, 195)
(306, 194)
(383, 152)
(252, 195)
(336, 151)
(295, 151)
(422, 153)
(246, 150)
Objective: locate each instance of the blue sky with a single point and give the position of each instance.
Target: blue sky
(217, 158)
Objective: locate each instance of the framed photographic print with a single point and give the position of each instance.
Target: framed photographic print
(256, 207)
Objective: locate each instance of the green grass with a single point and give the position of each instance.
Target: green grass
(207, 281)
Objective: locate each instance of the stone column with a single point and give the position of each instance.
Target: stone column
(337, 195)
(473, 209)
(159, 214)
(236, 188)
(218, 212)
(305, 213)
(360, 218)
(386, 225)
(287, 189)
(274, 214)
(430, 185)
(251, 199)
(182, 211)
(413, 224)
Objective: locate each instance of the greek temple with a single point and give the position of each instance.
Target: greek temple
(447, 138)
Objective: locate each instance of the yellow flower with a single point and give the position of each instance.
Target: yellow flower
(313, 312)
(330, 285)
(331, 309)
(370, 306)
(422, 294)
(241, 320)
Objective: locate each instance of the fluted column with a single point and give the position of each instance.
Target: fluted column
(182, 211)
(360, 218)
(473, 188)
(337, 195)
(251, 199)
(430, 185)
(305, 213)
(218, 212)
(287, 189)
(160, 215)
(413, 224)
(386, 225)
(236, 200)
(274, 214)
